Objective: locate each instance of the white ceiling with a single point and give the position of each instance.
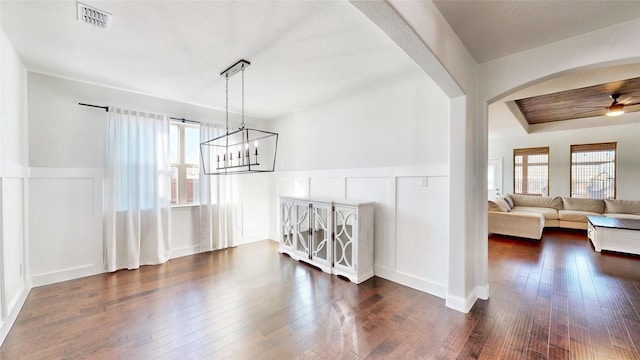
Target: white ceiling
(493, 29)
(302, 53)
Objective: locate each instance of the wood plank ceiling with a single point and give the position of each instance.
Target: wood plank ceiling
(580, 103)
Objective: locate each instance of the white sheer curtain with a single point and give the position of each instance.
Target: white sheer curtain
(220, 211)
(137, 190)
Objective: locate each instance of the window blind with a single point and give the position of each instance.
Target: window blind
(593, 170)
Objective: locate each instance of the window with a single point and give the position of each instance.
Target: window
(531, 171)
(184, 142)
(593, 171)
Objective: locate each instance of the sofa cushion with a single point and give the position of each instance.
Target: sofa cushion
(499, 204)
(590, 205)
(576, 215)
(622, 206)
(509, 200)
(623, 216)
(548, 213)
(527, 225)
(537, 201)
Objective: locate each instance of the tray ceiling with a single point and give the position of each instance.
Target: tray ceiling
(580, 103)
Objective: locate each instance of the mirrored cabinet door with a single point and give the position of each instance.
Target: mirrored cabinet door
(301, 246)
(345, 234)
(287, 228)
(321, 238)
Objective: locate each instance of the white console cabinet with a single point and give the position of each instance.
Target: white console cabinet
(333, 235)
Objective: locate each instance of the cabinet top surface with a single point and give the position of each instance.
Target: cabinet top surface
(329, 200)
(602, 221)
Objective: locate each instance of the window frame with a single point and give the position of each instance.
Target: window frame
(594, 147)
(182, 165)
(526, 152)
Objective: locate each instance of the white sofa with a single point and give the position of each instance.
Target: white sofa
(526, 216)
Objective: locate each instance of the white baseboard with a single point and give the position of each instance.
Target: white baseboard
(5, 327)
(185, 251)
(483, 292)
(465, 304)
(66, 274)
(252, 238)
(460, 304)
(413, 282)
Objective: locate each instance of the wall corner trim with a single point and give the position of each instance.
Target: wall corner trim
(483, 292)
(464, 305)
(6, 326)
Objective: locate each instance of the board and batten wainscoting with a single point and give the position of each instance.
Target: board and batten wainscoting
(411, 217)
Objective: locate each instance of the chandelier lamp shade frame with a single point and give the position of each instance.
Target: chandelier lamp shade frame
(241, 151)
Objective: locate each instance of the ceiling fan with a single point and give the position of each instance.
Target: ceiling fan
(617, 108)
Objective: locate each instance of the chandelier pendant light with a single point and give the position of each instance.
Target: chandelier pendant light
(241, 151)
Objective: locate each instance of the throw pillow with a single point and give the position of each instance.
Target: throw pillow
(498, 205)
(509, 201)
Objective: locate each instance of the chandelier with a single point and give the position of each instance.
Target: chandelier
(241, 151)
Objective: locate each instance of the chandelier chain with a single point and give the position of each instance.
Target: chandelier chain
(242, 126)
(227, 103)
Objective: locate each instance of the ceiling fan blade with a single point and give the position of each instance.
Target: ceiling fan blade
(629, 96)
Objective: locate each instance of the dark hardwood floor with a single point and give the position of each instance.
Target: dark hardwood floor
(554, 299)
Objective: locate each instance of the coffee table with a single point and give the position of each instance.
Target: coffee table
(622, 235)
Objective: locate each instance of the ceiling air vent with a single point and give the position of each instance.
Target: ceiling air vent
(93, 16)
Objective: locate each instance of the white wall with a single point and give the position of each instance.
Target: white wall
(65, 217)
(255, 191)
(377, 145)
(66, 153)
(14, 283)
(421, 32)
(384, 125)
(559, 144)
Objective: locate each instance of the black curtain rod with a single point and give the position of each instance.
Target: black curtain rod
(106, 108)
(185, 120)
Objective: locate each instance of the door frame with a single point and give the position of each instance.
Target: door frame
(499, 185)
